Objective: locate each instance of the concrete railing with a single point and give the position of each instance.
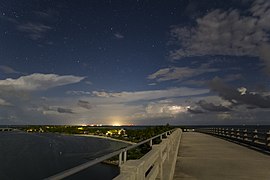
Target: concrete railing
(169, 145)
(159, 163)
(252, 137)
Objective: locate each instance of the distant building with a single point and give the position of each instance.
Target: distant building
(116, 132)
(122, 132)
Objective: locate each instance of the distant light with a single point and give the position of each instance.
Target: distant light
(116, 124)
(177, 109)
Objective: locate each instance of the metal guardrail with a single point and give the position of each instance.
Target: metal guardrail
(122, 154)
(251, 137)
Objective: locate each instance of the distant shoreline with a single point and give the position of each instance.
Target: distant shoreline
(104, 137)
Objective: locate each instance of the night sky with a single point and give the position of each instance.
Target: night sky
(134, 62)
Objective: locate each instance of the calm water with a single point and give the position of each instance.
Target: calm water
(37, 156)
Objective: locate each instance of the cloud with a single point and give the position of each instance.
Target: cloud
(202, 82)
(239, 96)
(88, 82)
(212, 107)
(180, 73)
(163, 109)
(48, 110)
(119, 36)
(84, 104)
(38, 81)
(233, 77)
(264, 54)
(194, 111)
(242, 90)
(150, 95)
(224, 116)
(4, 103)
(78, 93)
(226, 33)
(104, 94)
(8, 70)
(35, 31)
(64, 110)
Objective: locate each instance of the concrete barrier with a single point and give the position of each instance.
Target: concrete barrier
(159, 163)
(245, 136)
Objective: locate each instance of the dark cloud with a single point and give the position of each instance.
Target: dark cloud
(236, 97)
(212, 107)
(194, 111)
(84, 104)
(181, 73)
(64, 110)
(45, 108)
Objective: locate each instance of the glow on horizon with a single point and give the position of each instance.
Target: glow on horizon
(116, 124)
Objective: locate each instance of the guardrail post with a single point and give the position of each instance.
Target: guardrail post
(125, 156)
(219, 131)
(232, 133)
(227, 132)
(120, 159)
(238, 134)
(160, 137)
(151, 142)
(255, 136)
(245, 135)
(223, 132)
(267, 143)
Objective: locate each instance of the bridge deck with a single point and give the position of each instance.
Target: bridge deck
(206, 157)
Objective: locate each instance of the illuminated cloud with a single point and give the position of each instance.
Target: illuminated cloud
(38, 81)
(163, 109)
(242, 90)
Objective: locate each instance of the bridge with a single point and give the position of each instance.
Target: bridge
(207, 153)
(8, 129)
